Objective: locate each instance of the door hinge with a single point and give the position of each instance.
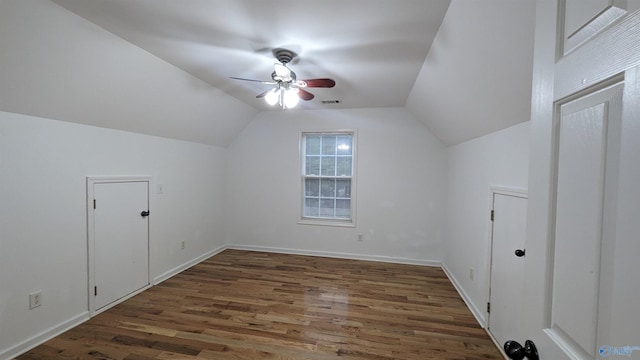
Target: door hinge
(492, 214)
(95, 291)
(488, 307)
(94, 203)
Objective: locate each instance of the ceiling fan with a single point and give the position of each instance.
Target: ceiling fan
(288, 89)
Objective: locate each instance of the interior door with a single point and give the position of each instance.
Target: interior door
(584, 199)
(507, 266)
(120, 244)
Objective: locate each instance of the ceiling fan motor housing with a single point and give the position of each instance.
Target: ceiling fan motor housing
(283, 55)
(286, 80)
(276, 78)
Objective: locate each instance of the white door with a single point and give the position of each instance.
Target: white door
(507, 267)
(119, 263)
(584, 200)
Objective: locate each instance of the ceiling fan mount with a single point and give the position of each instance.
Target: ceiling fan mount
(288, 90)
(283, 55)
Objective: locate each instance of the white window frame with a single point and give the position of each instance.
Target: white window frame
(331, 221)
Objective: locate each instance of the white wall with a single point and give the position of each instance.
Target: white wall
(43, 226)
(500, 159)
(400, 182)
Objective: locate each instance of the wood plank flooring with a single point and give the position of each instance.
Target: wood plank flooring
(253, 305)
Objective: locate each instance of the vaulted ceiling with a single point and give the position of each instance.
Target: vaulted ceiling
(374, 49)
(439, 61)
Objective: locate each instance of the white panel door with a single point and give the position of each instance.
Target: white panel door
(584, 200)
(588, 136)
(584, 19)
(120, 241)
(507, 268)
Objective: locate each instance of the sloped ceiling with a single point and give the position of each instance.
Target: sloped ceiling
(56, 65)
(374, 49)
(464, 69)
(477, 76)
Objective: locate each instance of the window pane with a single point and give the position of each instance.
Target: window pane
(344, 166)
(329, 145)
(311, 207)
(330, 157)
(312, 144)
(312, 187)
(344, 145)
(328, 166)
(327, 207)
(328, 188)
(312, 165)
(343, 188)
(343, 209)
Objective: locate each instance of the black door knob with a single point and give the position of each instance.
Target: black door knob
(530, 350)
(520, 252)
(515, 351)
(144, 213)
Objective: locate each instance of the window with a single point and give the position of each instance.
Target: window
(327, 177)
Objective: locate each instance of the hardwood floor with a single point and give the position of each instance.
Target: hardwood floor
(253, 305)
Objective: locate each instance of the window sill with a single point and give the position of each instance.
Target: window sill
(337, 223)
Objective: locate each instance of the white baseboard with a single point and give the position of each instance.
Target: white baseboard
(467, 300)
(44, 336)
(182, 267)
(338, 255)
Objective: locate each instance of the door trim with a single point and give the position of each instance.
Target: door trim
(91, 181)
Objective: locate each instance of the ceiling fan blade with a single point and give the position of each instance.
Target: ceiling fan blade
(305, 95)
(320, 83)
(258, 81)
(263, 94)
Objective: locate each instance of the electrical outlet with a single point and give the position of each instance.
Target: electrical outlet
(472, 274)
(182, 245)
(35, 299)
(360, 237)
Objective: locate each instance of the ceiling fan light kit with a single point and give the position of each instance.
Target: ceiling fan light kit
(287, 98)
(288, 90)
(272, 97)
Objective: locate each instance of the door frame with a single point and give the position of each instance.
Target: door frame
(91, 181)
(506, 191)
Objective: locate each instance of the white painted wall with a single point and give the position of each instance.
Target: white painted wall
(57, 65)
(499, 159)
(400, 182)
(43, 225)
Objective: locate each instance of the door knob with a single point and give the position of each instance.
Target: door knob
(144, 213)
(520, 252)
(530, 350)
(515, 351)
